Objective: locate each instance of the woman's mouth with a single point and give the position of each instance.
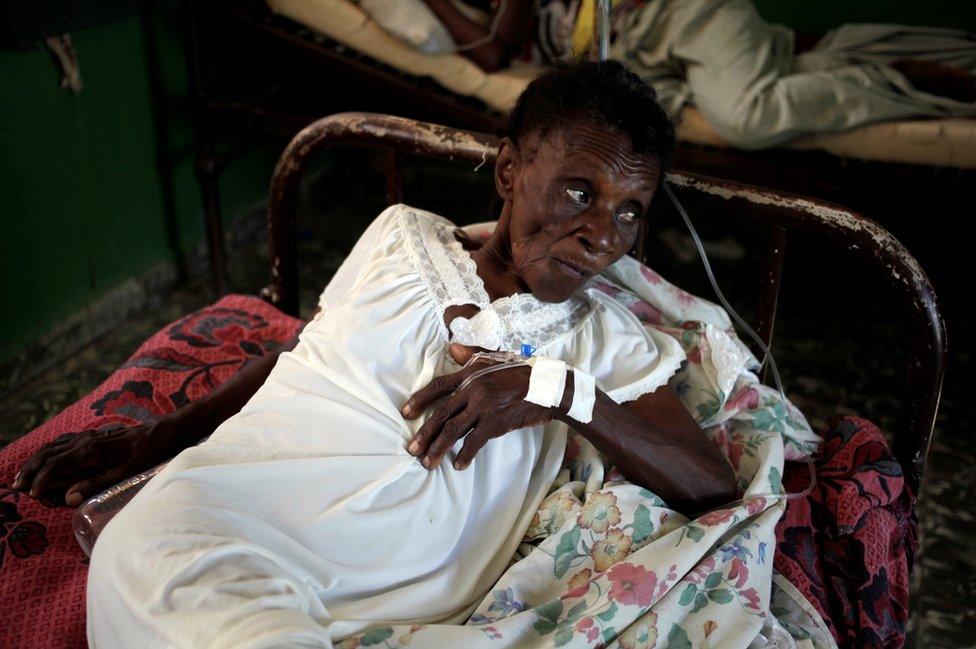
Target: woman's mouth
(572, 269)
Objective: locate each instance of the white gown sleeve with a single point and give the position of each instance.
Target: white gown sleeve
(627, 359)
(345, 278)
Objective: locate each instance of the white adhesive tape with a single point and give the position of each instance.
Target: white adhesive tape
(584, 397)
(547, 382)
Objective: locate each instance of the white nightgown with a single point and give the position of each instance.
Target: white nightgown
(303, 520)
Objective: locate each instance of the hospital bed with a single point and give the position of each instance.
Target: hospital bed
(42, 573)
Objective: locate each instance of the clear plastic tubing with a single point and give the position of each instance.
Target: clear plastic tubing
(767, 354)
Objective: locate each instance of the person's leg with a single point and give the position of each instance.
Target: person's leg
(938, 79)
(742, 77)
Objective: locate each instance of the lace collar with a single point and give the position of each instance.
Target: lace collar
(451, 277)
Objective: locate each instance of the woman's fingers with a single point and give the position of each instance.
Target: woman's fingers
(25, 477)
(81, 491)
(473, 443)
(444, 411)
(438, 388)
(50, 473)
(453, 430)
(441, 386)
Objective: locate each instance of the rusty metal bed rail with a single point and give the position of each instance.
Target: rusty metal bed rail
(782, 213)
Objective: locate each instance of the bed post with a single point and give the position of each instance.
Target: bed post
(923, 388)
(394, 176)
(207, 166)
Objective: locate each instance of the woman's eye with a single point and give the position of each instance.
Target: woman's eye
(580, 196)
(628, 216)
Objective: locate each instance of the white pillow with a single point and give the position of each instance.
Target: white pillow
(411, 21)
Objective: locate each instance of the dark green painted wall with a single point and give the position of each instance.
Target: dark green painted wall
(84, 202)
(821, 15)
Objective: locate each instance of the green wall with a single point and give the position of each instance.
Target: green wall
(821, 15)
(84, 201)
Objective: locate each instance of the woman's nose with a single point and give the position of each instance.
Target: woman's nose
(597, 236)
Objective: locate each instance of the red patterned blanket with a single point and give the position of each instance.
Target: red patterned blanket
(849, 546)
(42, 568)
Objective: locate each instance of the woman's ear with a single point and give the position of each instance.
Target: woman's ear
(505, 166)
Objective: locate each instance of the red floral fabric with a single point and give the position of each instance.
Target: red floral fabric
(850, 546)
(42, 568)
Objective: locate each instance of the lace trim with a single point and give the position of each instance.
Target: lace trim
(648, 384)
(452, 279)
(524, 319)
(449, 273)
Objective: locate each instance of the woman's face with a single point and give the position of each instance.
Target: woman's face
(576, 199)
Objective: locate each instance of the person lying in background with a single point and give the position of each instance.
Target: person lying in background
(744, 74)
(356, 478)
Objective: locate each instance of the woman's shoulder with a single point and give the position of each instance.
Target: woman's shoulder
(403, 228)
(627, 357)
(390, 244)
(406, 216)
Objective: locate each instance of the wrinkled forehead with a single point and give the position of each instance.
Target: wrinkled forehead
(586, 147)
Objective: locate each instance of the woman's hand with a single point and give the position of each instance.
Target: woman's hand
(76, 466)
(488, 407)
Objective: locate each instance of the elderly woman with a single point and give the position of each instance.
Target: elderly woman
(362, 483)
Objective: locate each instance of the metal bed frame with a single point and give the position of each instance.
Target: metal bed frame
(781, 214)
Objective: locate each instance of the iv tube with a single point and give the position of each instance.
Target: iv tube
(487, 370)
(767, 354)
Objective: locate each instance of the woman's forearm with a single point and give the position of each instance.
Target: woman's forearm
(655, 443)
(200, 418)
(76, 466)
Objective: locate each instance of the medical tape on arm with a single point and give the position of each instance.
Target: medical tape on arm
(584, 397)
(547, 382)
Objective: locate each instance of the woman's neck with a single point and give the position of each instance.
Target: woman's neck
(495, 264)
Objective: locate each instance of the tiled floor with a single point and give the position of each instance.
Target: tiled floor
(836, 347)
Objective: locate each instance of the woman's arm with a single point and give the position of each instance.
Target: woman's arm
(656, 443)
(653, 440)
(496, 53)
(77, 465)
